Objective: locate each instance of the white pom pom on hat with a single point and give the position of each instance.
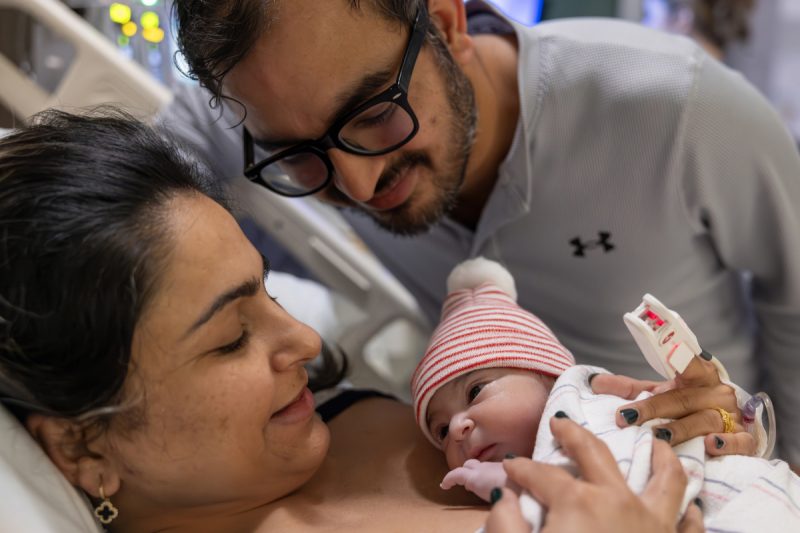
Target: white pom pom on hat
(481, 326)
(475, 272)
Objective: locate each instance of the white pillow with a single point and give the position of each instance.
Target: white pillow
(34, 496)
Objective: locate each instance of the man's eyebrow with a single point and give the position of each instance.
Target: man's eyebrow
(345, 103)
(248, 288)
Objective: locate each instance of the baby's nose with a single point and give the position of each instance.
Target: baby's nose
(460, 426)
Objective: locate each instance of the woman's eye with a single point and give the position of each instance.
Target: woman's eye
(442, 432)
(473, 392)
(236, 345)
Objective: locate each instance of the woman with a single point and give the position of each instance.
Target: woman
(142, 352)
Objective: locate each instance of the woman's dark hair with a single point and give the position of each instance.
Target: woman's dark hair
(83, 236)
(214, 36)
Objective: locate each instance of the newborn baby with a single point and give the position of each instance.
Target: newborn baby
(493, 371)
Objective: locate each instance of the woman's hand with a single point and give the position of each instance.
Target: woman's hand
(601, 501)
(691, 399)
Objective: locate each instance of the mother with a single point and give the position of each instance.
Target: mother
(139, 346)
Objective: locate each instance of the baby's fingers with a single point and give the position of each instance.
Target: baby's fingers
(457, 476)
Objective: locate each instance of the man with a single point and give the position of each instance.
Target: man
(596, 160)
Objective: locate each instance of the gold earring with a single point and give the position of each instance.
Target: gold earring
(105, 512)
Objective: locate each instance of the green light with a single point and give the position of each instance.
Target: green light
(149, 3)
(123, 40)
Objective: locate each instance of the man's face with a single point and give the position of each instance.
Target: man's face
(321, 59)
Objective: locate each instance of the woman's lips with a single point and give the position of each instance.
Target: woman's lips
(299, 410)
(397, 193)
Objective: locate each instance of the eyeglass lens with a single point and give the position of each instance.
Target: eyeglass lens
(379, 128)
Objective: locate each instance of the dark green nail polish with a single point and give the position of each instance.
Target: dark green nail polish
(591, 377)
(719, 443)
(561, 414)
(698, 502)
(706, 355)
(630, 415)
(495, 495)
(510, 456)
(664, 434)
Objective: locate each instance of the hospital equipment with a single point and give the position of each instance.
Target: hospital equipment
(97, 75)
(383, 332)
(669, 346)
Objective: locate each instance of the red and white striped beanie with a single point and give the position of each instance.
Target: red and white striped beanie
(483, 327)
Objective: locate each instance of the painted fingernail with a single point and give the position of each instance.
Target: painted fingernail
(706, 355)
(719, 443)
(664, 434)
(561, 414)
(630, 415)
(591, 377)
(510, 456)
(698, 502)
(495, 495)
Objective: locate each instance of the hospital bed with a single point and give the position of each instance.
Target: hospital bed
(362, 308)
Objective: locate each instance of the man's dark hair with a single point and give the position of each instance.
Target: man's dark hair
(215, 35)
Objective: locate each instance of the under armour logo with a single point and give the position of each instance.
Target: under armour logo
(604, 240)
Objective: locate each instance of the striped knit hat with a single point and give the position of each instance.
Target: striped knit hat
(483, 327)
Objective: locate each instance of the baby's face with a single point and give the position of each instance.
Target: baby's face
(487, 414)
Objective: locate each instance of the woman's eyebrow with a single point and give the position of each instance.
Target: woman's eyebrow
(248, 288)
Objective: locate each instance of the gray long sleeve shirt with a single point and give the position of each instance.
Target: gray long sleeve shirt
(639, 165)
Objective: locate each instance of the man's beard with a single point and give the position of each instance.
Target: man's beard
(417, 215)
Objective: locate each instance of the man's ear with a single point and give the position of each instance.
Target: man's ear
(64, 442)
(450, 18)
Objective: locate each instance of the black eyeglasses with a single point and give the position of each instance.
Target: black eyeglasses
(381, 124)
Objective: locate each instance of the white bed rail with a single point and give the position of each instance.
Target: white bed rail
(338, 258)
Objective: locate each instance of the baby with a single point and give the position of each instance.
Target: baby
(492, 371)
(480, 390)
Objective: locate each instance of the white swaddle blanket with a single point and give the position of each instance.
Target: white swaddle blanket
(742, 494)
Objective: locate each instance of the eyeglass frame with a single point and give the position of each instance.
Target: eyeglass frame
(397, 93)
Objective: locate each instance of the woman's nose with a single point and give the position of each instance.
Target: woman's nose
(356, 175)
(460, 426)
(297, 345)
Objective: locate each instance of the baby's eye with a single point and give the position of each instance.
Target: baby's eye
(442, 431)
(474, 391)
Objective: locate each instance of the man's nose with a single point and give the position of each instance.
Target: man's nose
(356, 175)
(460, 426)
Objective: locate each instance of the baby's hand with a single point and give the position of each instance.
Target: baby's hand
(477, 477)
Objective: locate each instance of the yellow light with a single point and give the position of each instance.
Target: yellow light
(153, 35)
(129, 29)
(119, 13)
(149, 20)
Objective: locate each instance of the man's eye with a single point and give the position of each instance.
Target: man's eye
(473, 392)
(442, 432)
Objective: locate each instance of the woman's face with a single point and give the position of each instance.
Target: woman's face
(219, 368)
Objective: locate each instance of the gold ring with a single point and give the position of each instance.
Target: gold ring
(727, 420)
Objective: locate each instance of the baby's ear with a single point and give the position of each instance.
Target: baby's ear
(65, 443)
